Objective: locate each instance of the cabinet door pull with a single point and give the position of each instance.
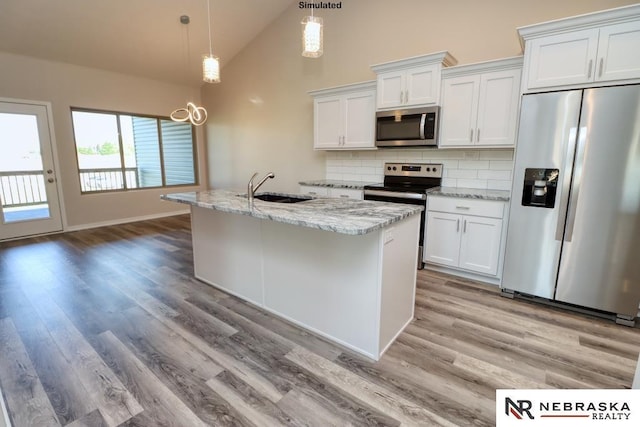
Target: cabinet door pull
(601, 67)
(463, 207)
(344, 196)
(478, 136)
(471, 136)
(464, 226)
(312, 193)
(590, 68)
(457, 225)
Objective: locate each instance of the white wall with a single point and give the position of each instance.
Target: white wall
(64, 86)
(261, 114)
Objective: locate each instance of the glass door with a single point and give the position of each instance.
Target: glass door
(29, 202)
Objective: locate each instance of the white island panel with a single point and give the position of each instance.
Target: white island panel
(227, 252)
(324, 281)
(398, 286)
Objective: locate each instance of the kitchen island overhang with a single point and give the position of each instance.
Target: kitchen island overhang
(344, 269)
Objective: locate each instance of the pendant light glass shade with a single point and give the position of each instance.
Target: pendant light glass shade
(312, 37)
(210, 62)
(210, 69)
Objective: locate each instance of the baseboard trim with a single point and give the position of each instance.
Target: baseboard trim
(464, 274)
(125, 220)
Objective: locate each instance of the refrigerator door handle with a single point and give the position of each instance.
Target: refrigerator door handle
(566, 183)
(575, 185)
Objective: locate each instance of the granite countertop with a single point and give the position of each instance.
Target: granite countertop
(345, 216)
(471, 193)
(333, 183)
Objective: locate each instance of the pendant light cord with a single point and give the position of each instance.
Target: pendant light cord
(209, 23)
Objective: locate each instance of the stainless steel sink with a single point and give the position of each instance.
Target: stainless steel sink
(280, 198)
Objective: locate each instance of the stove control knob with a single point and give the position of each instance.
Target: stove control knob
(388, 168)
(434, 169)
(428, 169)
(394, 168)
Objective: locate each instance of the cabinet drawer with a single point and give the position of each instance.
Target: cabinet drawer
(314, 191)
(486, 208)
(346, 193)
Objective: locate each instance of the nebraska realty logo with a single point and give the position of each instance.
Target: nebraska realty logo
(567, 407)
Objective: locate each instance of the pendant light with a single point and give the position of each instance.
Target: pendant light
(210, 63)
(192, 113)
(312, 36)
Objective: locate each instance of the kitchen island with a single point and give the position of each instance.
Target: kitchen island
(342, 268)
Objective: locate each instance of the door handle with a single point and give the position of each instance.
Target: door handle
(50, 180)
(49, 171)
(601, 67)
(457, 225)
(566, 184)
(478, 135)
(471, 136)
(464, 226)
(590, 68)
(575, 185)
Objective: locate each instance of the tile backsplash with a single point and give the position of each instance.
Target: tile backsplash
(484, 169)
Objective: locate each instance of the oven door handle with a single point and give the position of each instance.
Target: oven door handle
(395, 194)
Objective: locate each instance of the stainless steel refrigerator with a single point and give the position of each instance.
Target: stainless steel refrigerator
(574, 223)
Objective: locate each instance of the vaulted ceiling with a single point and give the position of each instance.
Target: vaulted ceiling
(138, 37)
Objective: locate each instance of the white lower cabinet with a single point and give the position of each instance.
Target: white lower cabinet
(443, 238)
(341, 193)
(464, 234)
(346, 193)
(480, 244)
(312, 190)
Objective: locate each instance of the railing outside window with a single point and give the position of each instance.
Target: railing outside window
(107, 179)
(22, 188)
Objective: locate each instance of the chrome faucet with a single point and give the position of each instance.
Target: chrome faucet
(251, 189)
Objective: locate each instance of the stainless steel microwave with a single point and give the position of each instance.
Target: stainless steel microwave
(407, 128)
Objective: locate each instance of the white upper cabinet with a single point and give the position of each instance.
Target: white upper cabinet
(480, 104)
(411, 82)
(344, 117)
(619, 52)
(597, 48)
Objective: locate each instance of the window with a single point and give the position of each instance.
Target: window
(118, 151)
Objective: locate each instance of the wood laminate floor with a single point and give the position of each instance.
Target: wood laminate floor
(106, 327)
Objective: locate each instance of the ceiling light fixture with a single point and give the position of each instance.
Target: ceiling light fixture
(196, 115)
(312, 36)
(192, 113)
(210, 63)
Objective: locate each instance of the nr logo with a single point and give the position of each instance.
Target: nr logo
(518, 408)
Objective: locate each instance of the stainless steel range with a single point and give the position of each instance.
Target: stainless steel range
(407, 183)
